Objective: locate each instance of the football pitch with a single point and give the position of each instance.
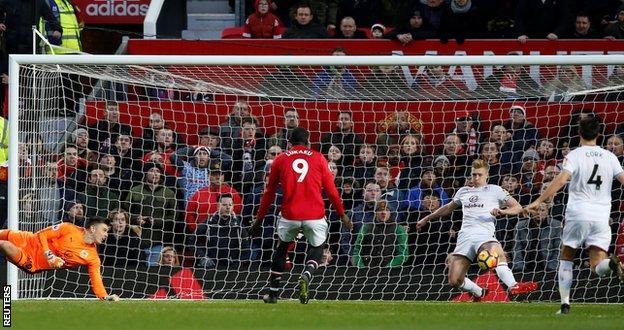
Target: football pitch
(247, 314)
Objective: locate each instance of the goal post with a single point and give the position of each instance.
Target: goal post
(196, 96)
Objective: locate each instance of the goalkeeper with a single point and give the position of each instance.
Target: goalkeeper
(63, 245)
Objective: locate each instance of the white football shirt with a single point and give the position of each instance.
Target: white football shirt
(476, 205)
(592, 171)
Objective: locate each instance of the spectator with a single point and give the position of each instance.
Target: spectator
(252, 201)
(361, 214)
(563, 84)
(412, 161)
(204, 202)
(382, 243)
(615, 144)
(105, 132)
(49, 194)
(154, 205)
(530, 178)
(333, 169)
(262, 24)
(386, 82)
(147, 142)
(193, 172)
(168, 257)
(510, 82)
(583, 28)
(389, 192)
(98, 198)
(364, 165)
(499, 16)
(539, 233)
(343, 137)
(615, 30)
(304, 27)
(280, 138)
(433, 241)
(455, 152)
(501, 137)
(378, 31)
(432, 12)
(459, 20)
(415, 28)
(80, 139)
(550, 173)
(126, 157)
(272, 152)
(70, 163)
(349, 192)
(442, 169)
(73, 213)
(122, 246)
(542, 19)
(248, 150)
(523, 134)
(335, 81)
(325, 12)
(119, 180)
(435, 83)
(165, 142)
(20, 17)
(209, 138)
(547, 154)
(465, 128)
(415, 196)
(394, 128)
(365, 12)
(349, 30)
(491, 155)
(231, 128)
(222, 240)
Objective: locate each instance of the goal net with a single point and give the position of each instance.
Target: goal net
(175, 151)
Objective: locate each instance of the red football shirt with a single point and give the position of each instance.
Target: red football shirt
(302, 172)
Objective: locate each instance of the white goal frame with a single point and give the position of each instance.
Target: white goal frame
(16, 60)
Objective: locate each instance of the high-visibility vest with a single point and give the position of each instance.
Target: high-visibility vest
(4, 140)
(65, 14)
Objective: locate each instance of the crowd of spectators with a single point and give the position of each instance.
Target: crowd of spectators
(443, 19)
(199, 199)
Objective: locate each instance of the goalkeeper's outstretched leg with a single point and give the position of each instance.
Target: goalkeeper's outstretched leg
(14, 254)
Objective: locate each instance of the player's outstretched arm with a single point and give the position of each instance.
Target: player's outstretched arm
(621, 178)
(556, 184)
(514, 208)
(441, 212)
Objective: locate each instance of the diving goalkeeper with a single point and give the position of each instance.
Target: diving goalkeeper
(63, 245)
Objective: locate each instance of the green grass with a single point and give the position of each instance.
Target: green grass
(342, 315)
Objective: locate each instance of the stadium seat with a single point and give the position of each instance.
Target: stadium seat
(234, 32)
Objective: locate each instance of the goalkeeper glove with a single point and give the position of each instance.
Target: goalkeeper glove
(112, 297)
(54, 261)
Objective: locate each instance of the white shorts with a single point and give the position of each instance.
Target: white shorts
(315, 231)
(468, 245)
(587, 233)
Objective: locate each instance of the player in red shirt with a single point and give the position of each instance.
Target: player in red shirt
(301, 172)
(63, 245)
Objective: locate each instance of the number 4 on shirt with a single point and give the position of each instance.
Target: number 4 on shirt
(595, 179)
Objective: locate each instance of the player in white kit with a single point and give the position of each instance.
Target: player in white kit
(591, 170)
(481, 204)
